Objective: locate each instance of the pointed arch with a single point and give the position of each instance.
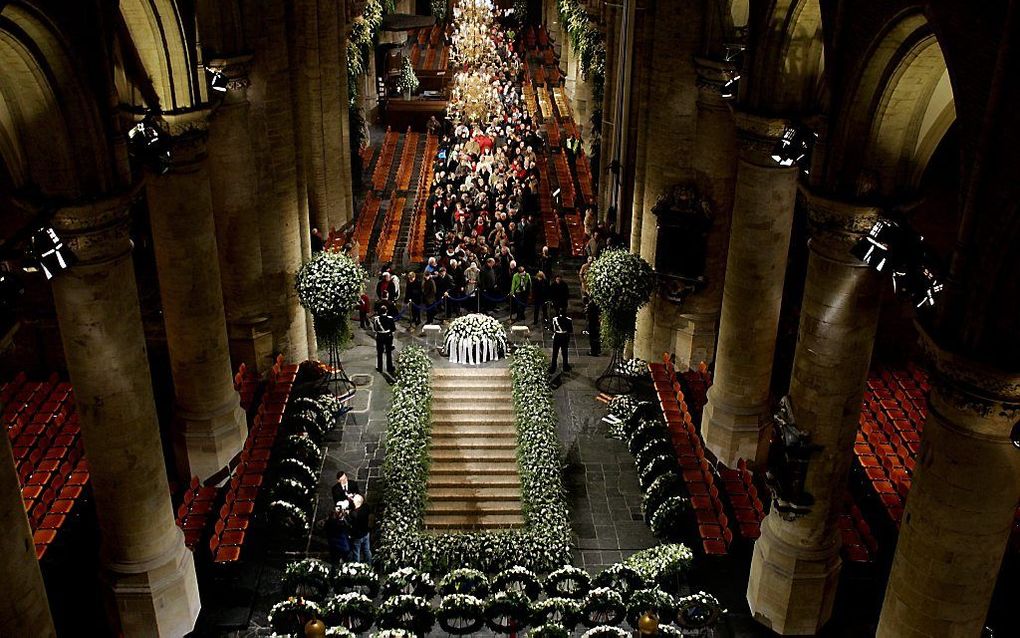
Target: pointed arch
(788, 69)
(51, 135)
(160, 37)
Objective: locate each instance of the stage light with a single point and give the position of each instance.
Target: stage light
(894, 247)
(793, 146)
(733, 53)
(52, 256)
(149, 144)
(218, 80)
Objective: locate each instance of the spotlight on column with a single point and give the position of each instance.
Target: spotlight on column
(1014, 435)
(50, 253)
(729, 89)
(893, 247)
(148, 143)
(794, 146)
(217, 80)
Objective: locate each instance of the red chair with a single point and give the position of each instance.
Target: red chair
(714, 547)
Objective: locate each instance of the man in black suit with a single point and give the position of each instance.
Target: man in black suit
(384, 327)
(563, 327)
(344, 488)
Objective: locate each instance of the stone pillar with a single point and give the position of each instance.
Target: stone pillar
(960, 509)
(715, 171)
(211, 426)
(737, 416)
(24, 608)
(234, 197)
(610, 117)
(795, 566)
(149, 572)
(345, 212)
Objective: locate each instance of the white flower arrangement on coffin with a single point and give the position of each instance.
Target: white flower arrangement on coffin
(475, 338)
(329, 286)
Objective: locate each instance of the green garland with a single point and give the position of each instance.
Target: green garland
(590, 44)
(541, 545)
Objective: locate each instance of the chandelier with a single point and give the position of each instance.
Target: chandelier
(472, 45)
(473, 98)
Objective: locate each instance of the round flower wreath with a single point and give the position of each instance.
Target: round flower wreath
(287, 518)
(670, 631)
(699, 611)
(303, 449)
(356, 577)
(289, 616)
(353, 611)
(393, 633)
(668, 518)
(464, 581)
(602, 606)
(605, 631)
(654, 600)
(408, 581)
(461, 614)
(549, 630)
(329, 286)
(655, 467)
(340, 632)
(410, 613)
(665, 486)
(662, 564)
(307, 578)
(507, 611)
(292, 491)
(297, 470)
(518, 579)
(565, 612)
(621, 578)
(568, 582)
(646, 432)
(651, 449)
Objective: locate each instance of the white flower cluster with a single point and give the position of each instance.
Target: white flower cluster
(620, 281)
(633, 368)
(476, 327)
(661, 561)
(330, 285)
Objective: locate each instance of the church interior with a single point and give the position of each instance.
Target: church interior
(699, 318)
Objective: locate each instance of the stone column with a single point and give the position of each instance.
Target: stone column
(960, 509)
(345, 212)
(795, 566)
(737, 416)
(610, 117)
(715, 171)
(24, 608)
(211, 426)
(234, 197)
(149, 572)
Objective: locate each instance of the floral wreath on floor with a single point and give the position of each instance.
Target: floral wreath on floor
(308, 578)
(476, 330)
(290, 615)
(464, 581)
(460, 614)
(356, 577)
(352, 611)
(699, 610)
(662, 564)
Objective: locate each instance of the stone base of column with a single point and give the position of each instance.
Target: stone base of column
(792, 588)
(207, 442)
(732, 433)
(160, 600)
(251, 342)
(695, 341)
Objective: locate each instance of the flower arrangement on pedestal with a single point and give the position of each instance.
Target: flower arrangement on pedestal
(477, 331)
(407, 83)
(329, 286)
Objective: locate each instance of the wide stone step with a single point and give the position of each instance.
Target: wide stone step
(474, 454)
(473, 385)
(456, 481)
(470, 406)
(457, 393)
(468, 493)
(460, 522)
(466, 371)
(474, 430)
(474, 507)
(475, 443)
(448, 417)
(473, 468)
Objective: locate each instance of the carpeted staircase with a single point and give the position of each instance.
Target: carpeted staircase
(473, 480)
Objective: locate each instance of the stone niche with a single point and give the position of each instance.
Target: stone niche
(683, 221)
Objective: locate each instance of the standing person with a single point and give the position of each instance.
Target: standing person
(471, 274)
(384, 327)
(559, 294)
(520, 288)
(487, 283)
(591, 313)
(444, 284)
(413, 298)
(364, 303)
(338, 536)
(541, 297)
(563, 327)
(429, 294)
(343, 488)
(385, 290)
(317, 243)
(582, 274)
(361, 548)
(545, 262)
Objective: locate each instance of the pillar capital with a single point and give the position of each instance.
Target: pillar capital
(836, 225)
(97, 231)
(712, 77)
(236, 69)
(189, 136)
(757, 136)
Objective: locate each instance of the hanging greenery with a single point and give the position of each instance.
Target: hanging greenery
(589, 42)
(329, 286)
(620, 283)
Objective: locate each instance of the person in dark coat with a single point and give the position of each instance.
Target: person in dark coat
(361, 548)
(413, 297)
(563, 328)
(338, 537)
(559, 294)
(487, 283)
(541, 294)
(444, 284)
(545, 262)
(344, 488)
(384, 327)
(429, 296)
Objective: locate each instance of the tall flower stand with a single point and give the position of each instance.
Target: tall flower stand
(612, 381)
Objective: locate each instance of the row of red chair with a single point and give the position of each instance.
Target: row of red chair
(193, 512)
(550, 220)
(575, 231)
(738, 484)
(239, 505)
(858, 543)
(713, 524)
(418, 221)
(383, 166)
